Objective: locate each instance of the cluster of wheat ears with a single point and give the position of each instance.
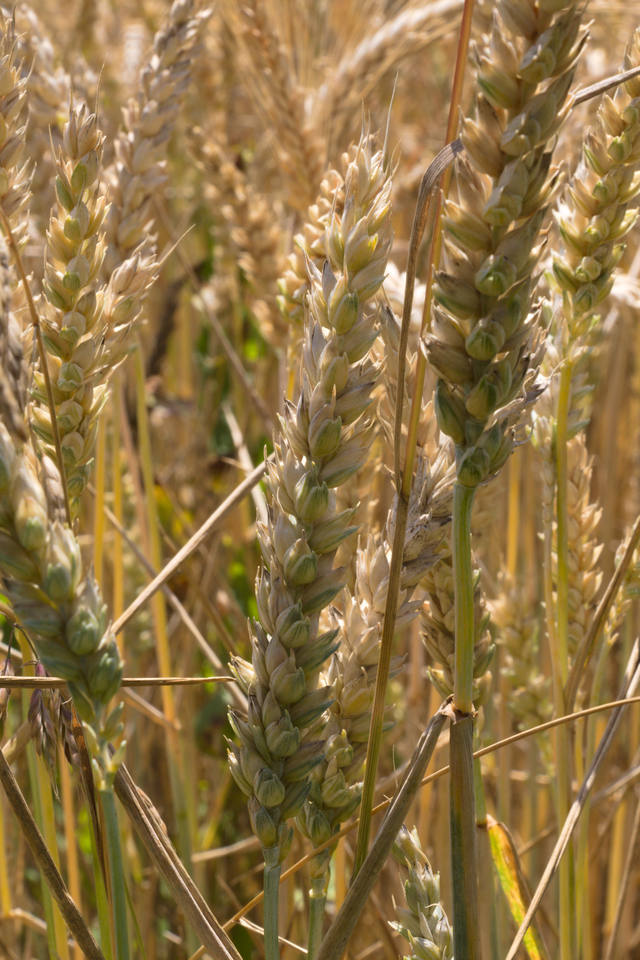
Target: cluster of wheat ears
(320, 318)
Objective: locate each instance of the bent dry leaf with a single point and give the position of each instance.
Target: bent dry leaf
(514, 885)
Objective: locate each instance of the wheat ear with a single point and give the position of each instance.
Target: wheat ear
(325, 439)
(149, 121)
(423, 921)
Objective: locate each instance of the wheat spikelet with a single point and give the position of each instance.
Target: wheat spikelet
(309, 244)
(595, 215)
(438, 622)
(584, 549)
(15, 180)
(13, 370)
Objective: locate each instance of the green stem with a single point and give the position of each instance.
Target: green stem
(102, 903)
(317, 902)
(462, 812)
(44, 815)
(463, 590)
(116, 873)
(464, 875)
(563, 748)
(47, 900)
(272, 869)
(583, 847)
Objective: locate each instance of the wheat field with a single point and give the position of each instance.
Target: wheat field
(319, 480)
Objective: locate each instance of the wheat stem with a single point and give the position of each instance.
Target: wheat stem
(50, 873)
(100, 488)
(317, 905)
(463, 498)
(272, 870)
(116, 874)
(102, 901)
(71, 839)
(463, 826)
(562, 607)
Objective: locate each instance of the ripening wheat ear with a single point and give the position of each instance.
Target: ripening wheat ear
(252, 225)
(15, 179)
(15, 194)
(41, 569)
(480, 345)
(149, 120)
(279, 98)
(48, 86)
(325, 439)
(423, 921)
(72, 323)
